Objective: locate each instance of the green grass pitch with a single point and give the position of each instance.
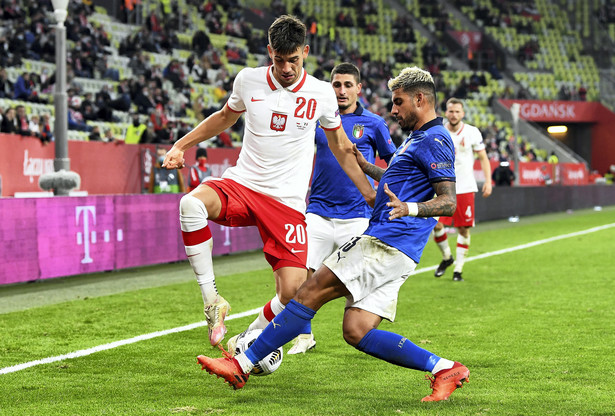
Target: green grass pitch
(535, 325)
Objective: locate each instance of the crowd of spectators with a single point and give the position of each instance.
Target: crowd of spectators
(606, 12)
(156, 111)
(14, 120)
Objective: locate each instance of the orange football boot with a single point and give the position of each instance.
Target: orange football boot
(445, 382)
(227, 367)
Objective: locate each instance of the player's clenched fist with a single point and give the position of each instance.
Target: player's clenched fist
(174, 159)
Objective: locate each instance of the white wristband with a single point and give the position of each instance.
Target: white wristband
(413, 209)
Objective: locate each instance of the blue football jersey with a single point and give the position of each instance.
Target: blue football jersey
(332, 193)
(426, 157)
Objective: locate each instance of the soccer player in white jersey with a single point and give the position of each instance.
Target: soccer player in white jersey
(468, 140)
(336, 210)
(369, 269)
(268, 186)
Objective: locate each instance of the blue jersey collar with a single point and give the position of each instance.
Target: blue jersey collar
(435, 122)
(358, 111)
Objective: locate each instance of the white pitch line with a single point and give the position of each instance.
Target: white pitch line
(89, 351)
(524, 246)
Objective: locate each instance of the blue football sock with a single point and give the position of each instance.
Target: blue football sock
(396, 349)
(295, 319)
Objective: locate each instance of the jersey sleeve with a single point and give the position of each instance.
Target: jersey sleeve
(438, 159)
(384, 143)
(477, 140)
(330, 118)
(235, 101)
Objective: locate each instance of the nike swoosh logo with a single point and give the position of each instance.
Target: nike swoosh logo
(192, 255)
(255, 99)
(292, 250)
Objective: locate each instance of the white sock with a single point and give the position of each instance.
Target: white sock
(441, 240)
(463, 245)
(202, 265)
(193, 220)
(244, 362)
(267, 313)
(442, 364)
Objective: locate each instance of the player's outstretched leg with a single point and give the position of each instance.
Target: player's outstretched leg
(198, 242)
(445, 382)
(398, 350)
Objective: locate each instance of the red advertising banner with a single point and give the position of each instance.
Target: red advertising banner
(105, 168)
(543, 173)
(469, 39)
(573, 174)
(560, 111)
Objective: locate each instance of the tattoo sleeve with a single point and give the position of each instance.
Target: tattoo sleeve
(443, 204)
(373, 171)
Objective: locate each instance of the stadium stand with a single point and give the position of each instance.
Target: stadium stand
(381, 36)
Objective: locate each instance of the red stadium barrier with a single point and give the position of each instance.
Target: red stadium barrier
(105, 168)
(543, 173)
(600, 118)
(108, 168)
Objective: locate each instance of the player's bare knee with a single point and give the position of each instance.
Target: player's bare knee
(284, 298)
(354, 330)
(305, 296)
(353, 335)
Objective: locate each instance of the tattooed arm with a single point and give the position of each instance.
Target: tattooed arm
(443, 204)
(369, 169)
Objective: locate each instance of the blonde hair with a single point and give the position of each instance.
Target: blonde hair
(412, 80)
(409, 77)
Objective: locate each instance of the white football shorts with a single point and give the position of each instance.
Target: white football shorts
(327, 234)
(373, 273)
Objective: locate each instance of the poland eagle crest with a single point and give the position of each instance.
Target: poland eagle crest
(278, 121)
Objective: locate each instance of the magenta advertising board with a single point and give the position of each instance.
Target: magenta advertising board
(63, 236)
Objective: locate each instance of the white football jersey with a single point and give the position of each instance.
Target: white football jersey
(467, 140)
(278, 143)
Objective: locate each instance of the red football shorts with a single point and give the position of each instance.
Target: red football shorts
(282, 228)
(464, 214)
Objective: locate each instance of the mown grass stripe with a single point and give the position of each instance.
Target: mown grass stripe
(104, 347)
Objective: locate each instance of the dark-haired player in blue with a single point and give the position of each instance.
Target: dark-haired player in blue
(337, 211)
(369, 269)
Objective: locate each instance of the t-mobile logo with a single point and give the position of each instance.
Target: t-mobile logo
(88, 236)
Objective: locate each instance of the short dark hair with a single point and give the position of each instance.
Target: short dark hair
(348, 69)
(201, 152)
(286, 34)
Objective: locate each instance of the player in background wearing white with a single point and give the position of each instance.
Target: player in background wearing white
(468, 140)
(369, 269)
(336, 209)
(268, 186)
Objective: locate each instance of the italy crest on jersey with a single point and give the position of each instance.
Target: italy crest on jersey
(358, 130)
(278, 121)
